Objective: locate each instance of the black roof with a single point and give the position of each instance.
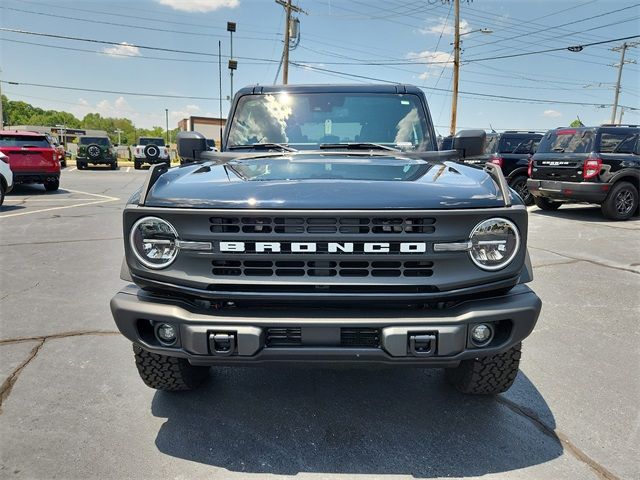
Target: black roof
(331, 88)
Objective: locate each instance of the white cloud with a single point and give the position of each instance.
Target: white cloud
(201, 6)
(443, 27)
(123, 50)
(438, 58)
(551, 113)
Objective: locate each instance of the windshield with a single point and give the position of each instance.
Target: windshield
(519, 144)
(102, 141)
(311, 119)
(567, 141)
(151, 141)
(24, 141)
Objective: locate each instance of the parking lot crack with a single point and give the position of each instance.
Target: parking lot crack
(20, 291)
(588, 260)
(601, 472)
(7, 385)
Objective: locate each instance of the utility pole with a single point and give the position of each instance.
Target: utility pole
(287, 36)
(623, 49)
(220, 90)
(119, 132)
(456, 68)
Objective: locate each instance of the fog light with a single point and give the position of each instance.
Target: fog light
(481, 334)
(166, 333)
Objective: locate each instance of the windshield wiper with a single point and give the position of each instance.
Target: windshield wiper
(264, 146)
(558, 149)
(356, 146)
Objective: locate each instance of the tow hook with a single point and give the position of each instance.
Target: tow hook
(422, 345)
(222, 343)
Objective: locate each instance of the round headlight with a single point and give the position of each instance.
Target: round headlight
(494, 243)
(154, 242)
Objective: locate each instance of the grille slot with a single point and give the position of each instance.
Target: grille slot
(284, 337)
(323, 225)
(360, 337)
(321, 268)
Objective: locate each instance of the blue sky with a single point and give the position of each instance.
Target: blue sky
(334, 35)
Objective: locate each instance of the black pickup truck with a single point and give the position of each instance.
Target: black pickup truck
(511, 151)
(327, 229)
(591, 165)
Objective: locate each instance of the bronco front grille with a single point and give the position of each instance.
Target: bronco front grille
(322, 268)
(322, 225)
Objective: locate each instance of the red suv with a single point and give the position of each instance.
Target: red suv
(31, 157)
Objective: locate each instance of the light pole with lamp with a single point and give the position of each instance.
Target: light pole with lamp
(456, 65)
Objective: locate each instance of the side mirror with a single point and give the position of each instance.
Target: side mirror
(470, 143)
(191, 145)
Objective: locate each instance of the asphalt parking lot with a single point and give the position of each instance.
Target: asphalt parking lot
(73, 405)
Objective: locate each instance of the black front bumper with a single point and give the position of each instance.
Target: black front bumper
(512, 315)
(569, 191)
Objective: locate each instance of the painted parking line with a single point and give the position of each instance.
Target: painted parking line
(73, 168)
(101, 199)
(29, 200)
(128, 169)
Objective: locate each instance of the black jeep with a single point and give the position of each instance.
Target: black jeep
(328, 229)
(591, 165)
(96, 151)
(511, 151)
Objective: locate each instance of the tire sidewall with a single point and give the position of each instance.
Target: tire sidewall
(609, 206)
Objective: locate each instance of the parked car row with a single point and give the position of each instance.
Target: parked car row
(599, 165)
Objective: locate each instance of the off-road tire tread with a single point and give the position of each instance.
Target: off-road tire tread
(171, 374)
(486, 375)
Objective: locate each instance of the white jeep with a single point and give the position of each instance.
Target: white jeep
(150, 150)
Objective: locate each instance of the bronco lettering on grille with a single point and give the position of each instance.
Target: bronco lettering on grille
(325, 247)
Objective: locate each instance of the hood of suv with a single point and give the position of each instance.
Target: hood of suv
(326, 181)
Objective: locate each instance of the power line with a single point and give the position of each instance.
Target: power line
(116, 92)
(486, 95)
(119, 44)
(114, 54)
(138, 27)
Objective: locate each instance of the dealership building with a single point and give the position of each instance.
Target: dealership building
(210, 127)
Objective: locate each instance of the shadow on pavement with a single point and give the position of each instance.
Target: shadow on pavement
(589, 213)
(352, 421)
(33, 189)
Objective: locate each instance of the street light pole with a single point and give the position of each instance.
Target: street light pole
(119, 132)
(166, 114)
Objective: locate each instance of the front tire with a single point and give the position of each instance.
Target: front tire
(136, 165)
(114, 166)
(1, 194)
(80, 165)
(171, 374)
(545, 204)
(621, 202)
(52, 186)
(519, 184)
(486, 375)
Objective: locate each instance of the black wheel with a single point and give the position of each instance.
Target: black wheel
(486, 375)
(1, 193)
(168, 163)
(51, 185)
(519, 184)
(168, 373)
(114, 166)
(136, 164)
(80, 165)
(545, 204)
(622, 202)
(63, 163)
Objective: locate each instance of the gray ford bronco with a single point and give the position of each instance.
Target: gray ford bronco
(328, 228)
